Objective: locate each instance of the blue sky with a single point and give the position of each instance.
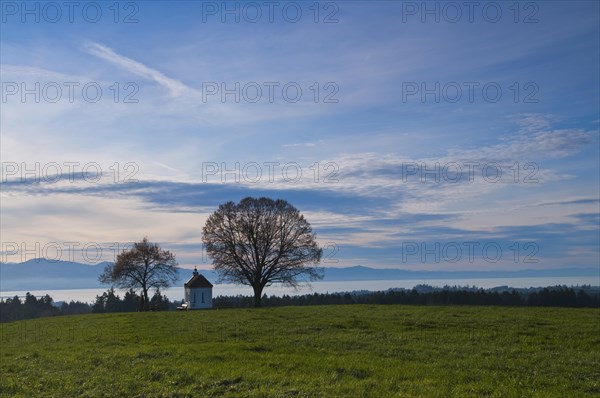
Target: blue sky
(369, 141)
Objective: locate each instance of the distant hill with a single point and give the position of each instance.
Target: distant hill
(42, 274)
(360, 273)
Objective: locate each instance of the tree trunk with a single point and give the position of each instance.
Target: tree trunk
(257, 296)
(146, 301)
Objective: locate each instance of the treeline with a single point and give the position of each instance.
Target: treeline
(15, 308)
(131, 302)
(548, 297)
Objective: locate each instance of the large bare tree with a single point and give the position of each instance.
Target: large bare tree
(146, 266)
(259, 242)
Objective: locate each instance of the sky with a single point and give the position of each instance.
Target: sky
(411, 135)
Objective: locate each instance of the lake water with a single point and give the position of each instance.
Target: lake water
(176, 293)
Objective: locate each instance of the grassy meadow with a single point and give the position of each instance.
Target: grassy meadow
(330, 351)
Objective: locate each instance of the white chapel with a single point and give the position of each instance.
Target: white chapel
(198, 292)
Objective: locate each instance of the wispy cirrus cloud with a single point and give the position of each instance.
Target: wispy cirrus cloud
(174, 86)
(302, 145)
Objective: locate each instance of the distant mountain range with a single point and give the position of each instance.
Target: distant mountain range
(42, 274)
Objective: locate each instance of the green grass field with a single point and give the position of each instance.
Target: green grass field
(331, 351)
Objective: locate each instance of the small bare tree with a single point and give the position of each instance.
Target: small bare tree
(146, 266)
(259, 242)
